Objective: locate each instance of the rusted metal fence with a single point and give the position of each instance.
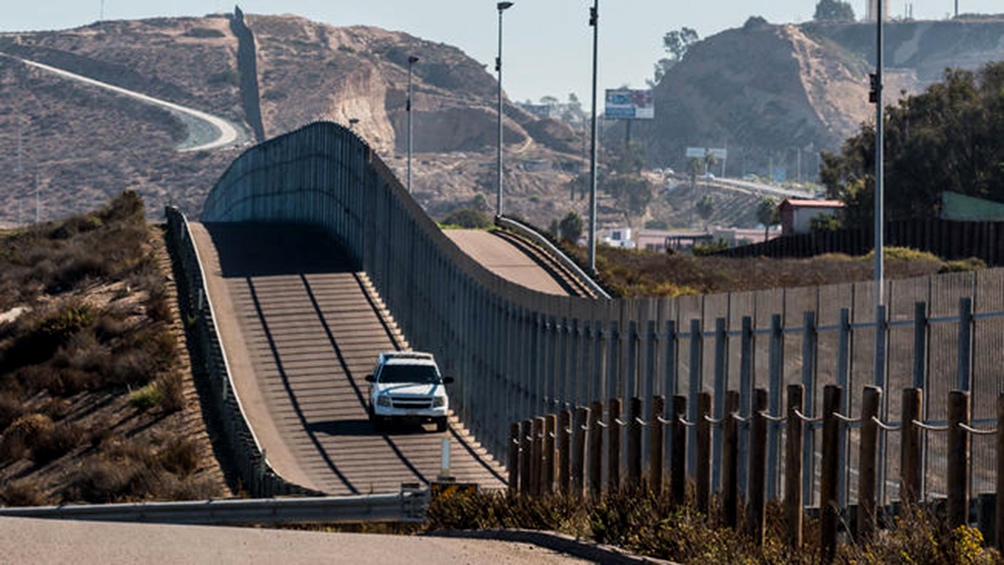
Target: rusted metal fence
(585, 469)
(517, 353)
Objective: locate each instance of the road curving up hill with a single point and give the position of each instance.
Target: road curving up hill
(302, 330)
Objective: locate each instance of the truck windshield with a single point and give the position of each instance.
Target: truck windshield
(418, 374)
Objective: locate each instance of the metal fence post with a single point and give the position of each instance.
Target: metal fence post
(730, 456)
(775, 363)
(696, 386)
(678, 461)
(910, 441)
(828, 505)
(809, 382)
(656, 443)
(721, 369)
(871, 402)
(595, 450)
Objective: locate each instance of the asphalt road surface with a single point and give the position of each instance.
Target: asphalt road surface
(51, 542)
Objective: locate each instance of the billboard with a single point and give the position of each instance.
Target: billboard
(626, 104)
(702, 152)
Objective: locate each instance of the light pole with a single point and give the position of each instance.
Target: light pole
(879, 156)
(594, 21)
(502, 6)
(411, 61)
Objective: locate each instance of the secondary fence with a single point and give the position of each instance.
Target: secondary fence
(945, 238)
(564, 452)
(210, 365)
(517, 353)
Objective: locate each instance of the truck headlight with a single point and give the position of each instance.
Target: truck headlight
(439, 402)
(383, 400)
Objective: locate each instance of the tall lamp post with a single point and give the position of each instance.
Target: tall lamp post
(594, 21)
(876, 97)
(502, 6)
(411, 61)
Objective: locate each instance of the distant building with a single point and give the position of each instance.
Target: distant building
(661, 240)
(619, 237)
(797, 215)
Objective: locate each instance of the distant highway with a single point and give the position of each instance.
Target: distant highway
(218, 132)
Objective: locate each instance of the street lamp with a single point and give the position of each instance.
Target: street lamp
(502, 6)
(594, 21)
(411, 61)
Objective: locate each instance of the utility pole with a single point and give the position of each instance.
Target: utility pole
(594, 21)
(501, 6)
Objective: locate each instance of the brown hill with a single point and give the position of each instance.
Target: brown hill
(775, 95)
(766, 91)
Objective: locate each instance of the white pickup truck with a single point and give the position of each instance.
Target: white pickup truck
(407, 386)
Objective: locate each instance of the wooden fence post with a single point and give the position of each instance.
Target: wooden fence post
(524, 458)
(614, 446)
(678, 461)
(703, 477)
(758, 467)
(547, 479)
(793, 467)
(514, 458)
(656, 443)
(536, 454)
(580, 424)
(910, 445)
(730, 459)
(999, 529)
(634, 443)
(829, 505)
(595, 450)
(958, 459)
(565, 452)
(867, 514)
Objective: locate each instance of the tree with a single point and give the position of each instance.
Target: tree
(710, 160)
(947, 138)
(833, 11)
(705, 207)
(677, 43)
(633, 193)
(766, 214)
(570, 227)
(468, 218)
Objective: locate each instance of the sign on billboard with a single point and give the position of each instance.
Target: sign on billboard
(626, 104)
(702, 152)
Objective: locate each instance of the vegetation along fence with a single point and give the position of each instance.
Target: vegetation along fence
(517, 353)
(583, 452)
(947, 239)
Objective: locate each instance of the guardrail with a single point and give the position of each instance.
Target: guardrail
(406, 506)
(554, 252)
(210, 365)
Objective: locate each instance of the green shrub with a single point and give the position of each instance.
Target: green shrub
(147, 397)
(962, 266)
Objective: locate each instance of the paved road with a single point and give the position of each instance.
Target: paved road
(501, 257)
(212, 132)
(302, 331)
(45, 542)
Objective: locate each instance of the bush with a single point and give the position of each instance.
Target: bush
(963, 266)
(23, 493)
(19, 437)
(468, 218)
(180, 456)
(57, 441)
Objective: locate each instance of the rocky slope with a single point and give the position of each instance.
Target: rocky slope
(768, 92)
(774, 95)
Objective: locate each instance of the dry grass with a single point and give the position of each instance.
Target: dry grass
(632, 273)
(93, 400)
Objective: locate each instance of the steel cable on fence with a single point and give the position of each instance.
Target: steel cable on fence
(977, 431)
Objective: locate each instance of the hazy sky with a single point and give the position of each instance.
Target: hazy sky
(547, 43)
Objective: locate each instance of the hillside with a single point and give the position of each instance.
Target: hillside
(97, 401)
(773, 94)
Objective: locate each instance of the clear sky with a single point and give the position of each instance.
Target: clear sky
(547, 43)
